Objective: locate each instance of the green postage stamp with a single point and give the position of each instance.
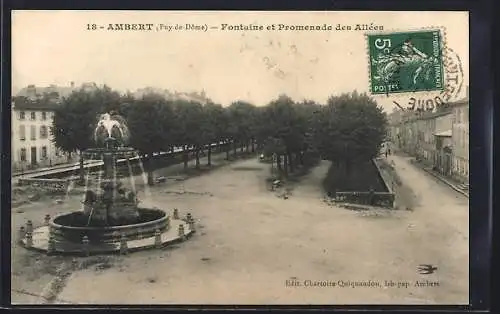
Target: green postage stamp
(406, 62)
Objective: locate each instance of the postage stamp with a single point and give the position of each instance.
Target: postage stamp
(402, 62)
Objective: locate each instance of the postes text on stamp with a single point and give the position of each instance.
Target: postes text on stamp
(406, 62)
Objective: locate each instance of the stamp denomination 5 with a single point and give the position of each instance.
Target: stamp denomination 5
(406, 62)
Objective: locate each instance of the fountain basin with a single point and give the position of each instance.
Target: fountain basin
(71, 227)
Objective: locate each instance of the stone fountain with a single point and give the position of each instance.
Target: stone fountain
(111, 219)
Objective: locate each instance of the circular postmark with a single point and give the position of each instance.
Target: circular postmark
(453, 86)
(454, 76)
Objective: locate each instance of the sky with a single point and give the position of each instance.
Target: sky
(55, 47)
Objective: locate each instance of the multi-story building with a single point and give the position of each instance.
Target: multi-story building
(394, 121)
(439, 139)
(460, 140)
(32, 114)
(32, 145)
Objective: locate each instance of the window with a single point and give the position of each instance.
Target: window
(22, 132)
(43, 131)
(44, 115)
(23, 154)
(22, 115)
(33, 132)
(44, 151)
(33, 115)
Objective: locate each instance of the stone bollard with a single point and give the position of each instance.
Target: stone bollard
(188, 217)
(176, 213)
(182, 235)
(22, 233)
(51, 247)
(157, 238)
(29, 239)
(191, 223)
(29, 226)
(46, 219)
(85, 245)
(123, 245)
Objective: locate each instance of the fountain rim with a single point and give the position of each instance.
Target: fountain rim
(119, 227)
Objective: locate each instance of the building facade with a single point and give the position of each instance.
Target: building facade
(31, 140)
(437, 139)
(460, 140)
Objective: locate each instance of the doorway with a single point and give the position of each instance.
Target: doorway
(33, 155)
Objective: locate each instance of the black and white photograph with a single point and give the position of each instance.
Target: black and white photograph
(240, 157)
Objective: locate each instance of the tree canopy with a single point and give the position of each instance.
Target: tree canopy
(348, 129)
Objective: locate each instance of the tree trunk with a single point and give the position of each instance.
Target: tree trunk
(285, 164)
(290, 162)
(209, 157)
(234, 148)
(278, 162)
(228, 148)
(247, 148)
(253, 145)
(241, 147)
(197, 155)
(172, 149)
(297, 159)
(150, 169)
(185, 157)
(82, 171)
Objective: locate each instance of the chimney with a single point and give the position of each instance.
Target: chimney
(72, 84)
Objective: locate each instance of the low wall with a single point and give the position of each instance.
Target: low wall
(49, 185)
(387, 182)
(383, 199)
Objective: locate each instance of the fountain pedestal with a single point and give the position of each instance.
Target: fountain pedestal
(113, 205)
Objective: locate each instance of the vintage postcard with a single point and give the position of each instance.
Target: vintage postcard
(238, 157)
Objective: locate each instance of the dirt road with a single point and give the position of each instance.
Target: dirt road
(255, 248)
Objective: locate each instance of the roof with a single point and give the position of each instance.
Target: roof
(22, 103)
(446, 133)
(63, 91)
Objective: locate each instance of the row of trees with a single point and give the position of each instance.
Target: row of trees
(348, 129)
